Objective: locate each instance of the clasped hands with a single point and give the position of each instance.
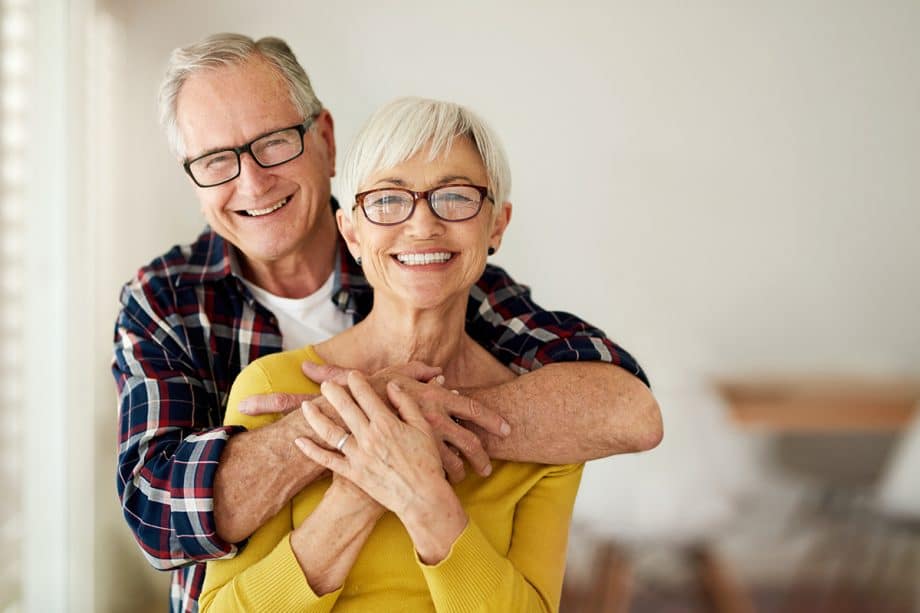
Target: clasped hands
(444, 411)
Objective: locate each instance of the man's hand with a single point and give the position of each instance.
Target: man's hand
(279, 402)
(445, 411)
(284, 403)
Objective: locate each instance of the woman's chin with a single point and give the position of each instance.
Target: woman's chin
(425, 297)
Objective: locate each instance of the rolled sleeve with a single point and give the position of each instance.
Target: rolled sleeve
(166, 463)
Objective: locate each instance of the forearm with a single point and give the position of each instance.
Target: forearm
(299, 570)
(166, 470)
(329, 540)
(571, 412)
(258, 473)
(481, 575)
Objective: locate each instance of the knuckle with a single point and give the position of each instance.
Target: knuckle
(454, 461)
(470, 442)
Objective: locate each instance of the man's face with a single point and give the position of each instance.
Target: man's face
(269, 214)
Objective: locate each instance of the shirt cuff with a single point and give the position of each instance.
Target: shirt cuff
(192, 494)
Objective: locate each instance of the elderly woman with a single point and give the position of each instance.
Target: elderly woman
(387, 531)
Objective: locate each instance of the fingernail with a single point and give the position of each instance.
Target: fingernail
(506, 429)
(244, 408)
(440, 379)
(455, 392)
(487, 470)
(396, 386)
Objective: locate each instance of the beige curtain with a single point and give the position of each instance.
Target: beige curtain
(14, 59)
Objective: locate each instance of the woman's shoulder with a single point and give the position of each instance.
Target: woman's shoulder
(278, 372)
(281, 371)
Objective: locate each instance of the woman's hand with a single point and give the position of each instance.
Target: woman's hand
(394, 459)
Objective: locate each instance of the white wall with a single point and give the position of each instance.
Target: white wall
(724, 187)
(733, 182)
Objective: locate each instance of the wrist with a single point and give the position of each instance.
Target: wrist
(348, 495)
(434, 523)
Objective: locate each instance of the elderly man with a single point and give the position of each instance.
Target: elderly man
(270, 272)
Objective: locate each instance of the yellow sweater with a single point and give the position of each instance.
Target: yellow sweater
(510, 557)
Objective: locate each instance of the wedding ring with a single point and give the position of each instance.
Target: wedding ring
(341, 444)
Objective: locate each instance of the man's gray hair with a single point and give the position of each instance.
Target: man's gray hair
(219, 50)
(406, 126)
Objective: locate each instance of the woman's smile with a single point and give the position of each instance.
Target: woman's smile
(424, 259)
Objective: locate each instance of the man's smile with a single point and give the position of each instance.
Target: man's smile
(266, 210)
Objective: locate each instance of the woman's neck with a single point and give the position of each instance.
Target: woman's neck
(391, 335)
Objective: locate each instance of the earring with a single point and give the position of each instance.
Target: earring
(358, 260)
(491, 251)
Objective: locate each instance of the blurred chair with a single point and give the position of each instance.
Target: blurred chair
(869, 547)
(677, 497)
(898, 494)
(898, 501)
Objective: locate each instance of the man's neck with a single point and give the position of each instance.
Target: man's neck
(297, 276)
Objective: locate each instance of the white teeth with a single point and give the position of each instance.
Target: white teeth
(420, 259)
(258, 212)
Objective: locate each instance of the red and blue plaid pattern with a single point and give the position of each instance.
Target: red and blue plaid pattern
(188, 326)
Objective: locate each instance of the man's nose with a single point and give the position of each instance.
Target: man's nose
(253, 180)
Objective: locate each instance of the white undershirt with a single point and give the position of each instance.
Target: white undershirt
(304, 321)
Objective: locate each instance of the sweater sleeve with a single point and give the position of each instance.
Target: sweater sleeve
(265, 575)
(476, 577)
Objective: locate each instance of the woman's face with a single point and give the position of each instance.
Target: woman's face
(425, 261)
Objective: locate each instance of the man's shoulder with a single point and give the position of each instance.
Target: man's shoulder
(191, 264)
(496, 286)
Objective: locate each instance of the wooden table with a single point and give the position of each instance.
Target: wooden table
(825, 404)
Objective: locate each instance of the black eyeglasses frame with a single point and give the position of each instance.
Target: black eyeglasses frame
(247, 148)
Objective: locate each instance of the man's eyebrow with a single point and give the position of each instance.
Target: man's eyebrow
(234, 147)
(208, 152)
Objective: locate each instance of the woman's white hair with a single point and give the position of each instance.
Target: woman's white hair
(226, 49)
(404, 127)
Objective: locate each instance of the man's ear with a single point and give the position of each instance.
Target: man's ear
(499, 225)
(347, 230)
(326, 129)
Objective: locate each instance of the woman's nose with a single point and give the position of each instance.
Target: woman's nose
(423, 221)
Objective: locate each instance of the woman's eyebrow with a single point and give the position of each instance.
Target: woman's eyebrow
(393, 180)
(442, 180)
(454, 178)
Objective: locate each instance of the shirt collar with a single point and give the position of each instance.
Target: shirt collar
(210, 261)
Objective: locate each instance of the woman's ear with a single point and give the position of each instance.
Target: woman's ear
(499, 225)
(347, 230)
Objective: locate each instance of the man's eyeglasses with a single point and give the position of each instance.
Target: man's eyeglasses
(392, 205)
(272, 149)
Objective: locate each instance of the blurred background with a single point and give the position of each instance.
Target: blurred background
(729, 189)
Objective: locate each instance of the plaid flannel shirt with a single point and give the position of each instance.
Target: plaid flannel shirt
(188, 326)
